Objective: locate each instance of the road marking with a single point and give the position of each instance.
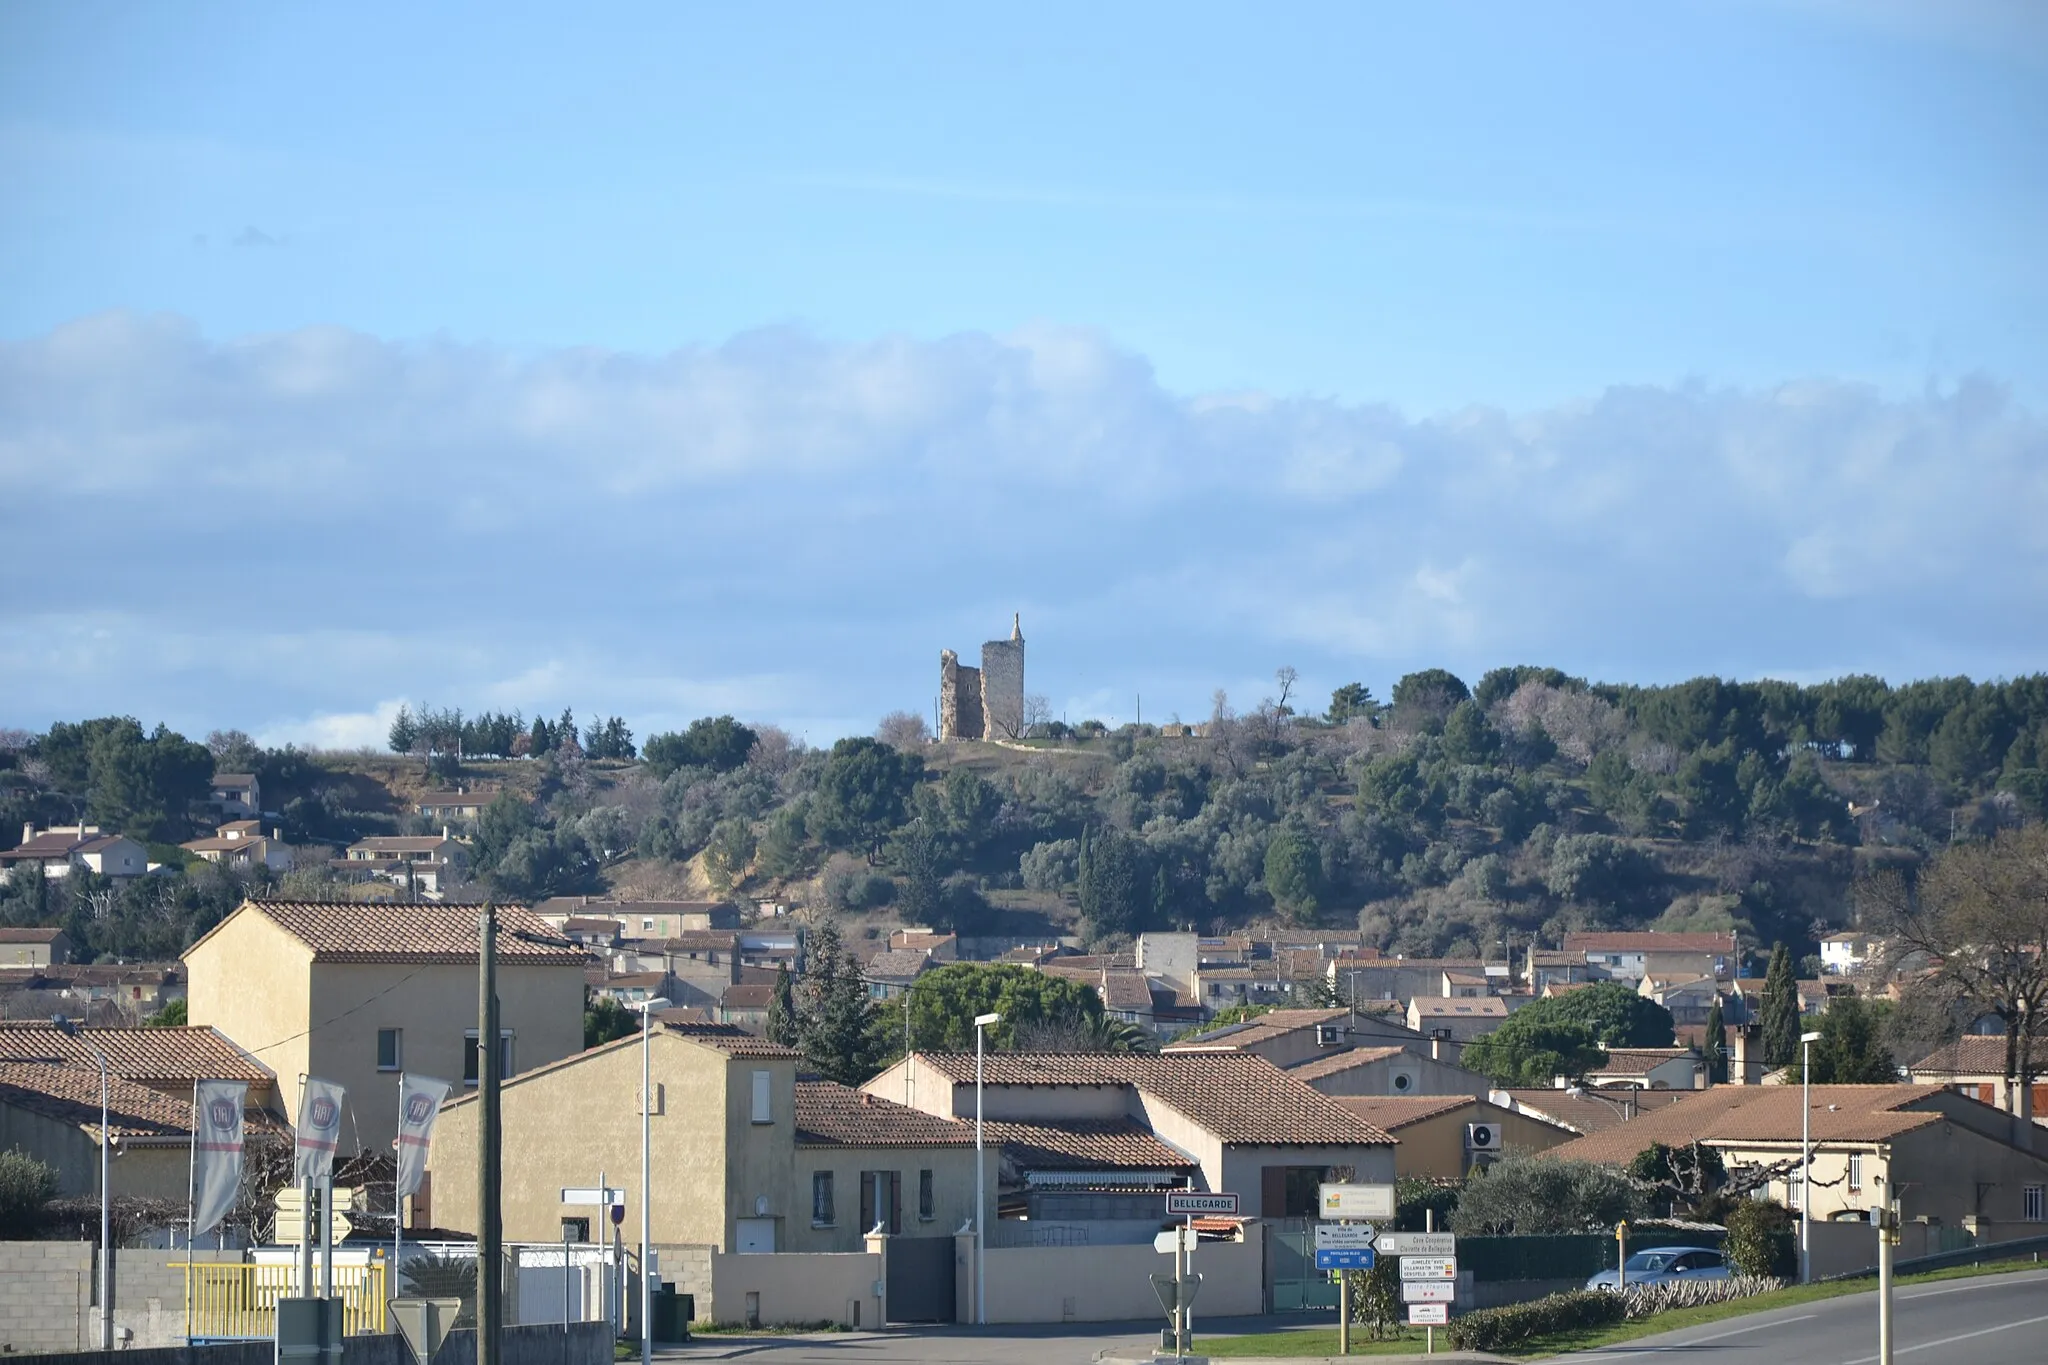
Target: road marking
(1950, 1341)
(1980, 1282)
(1691, 1342)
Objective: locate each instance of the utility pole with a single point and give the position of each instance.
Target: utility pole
(1886, 1218)
(490, 1232)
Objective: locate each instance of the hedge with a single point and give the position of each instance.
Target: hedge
(1499, 1329)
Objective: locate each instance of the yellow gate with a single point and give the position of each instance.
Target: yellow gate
(229, 1300)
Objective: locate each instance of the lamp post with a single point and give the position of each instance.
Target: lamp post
(70, 1030)
(1806, 1042)
(647, 1009)
(981, 1021)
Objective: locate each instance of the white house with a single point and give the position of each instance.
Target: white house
(63, 847)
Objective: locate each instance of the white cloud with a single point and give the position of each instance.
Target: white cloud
(276, 531)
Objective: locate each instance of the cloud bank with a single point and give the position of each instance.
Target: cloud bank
(287, 532)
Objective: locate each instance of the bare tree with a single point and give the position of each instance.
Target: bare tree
(1037, 712)
(1286, 677)
(1979, 917)
(904, 730)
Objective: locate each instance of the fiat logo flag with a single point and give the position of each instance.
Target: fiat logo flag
(319, 1130)
(419, 1104)
(216, 1151)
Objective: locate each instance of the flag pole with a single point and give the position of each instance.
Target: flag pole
(191, 1219)
(397, 1201)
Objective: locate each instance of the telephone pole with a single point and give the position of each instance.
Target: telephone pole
(490, 1232)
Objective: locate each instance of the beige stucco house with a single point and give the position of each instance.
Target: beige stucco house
(1442, 1137)
(33, 947)
(357, 993)
(1391, 1071)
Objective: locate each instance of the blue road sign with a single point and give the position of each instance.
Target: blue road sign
(1359, 1258)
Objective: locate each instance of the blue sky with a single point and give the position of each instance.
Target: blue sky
(658, 359)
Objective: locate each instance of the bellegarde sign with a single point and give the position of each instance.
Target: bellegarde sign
(1429, 1267)
(1428, 1314)
(1428, 1291)
(1417, 1244)
(1358, 1258)
(1357, 1201)
(1201, 1205)
(1343, 1236)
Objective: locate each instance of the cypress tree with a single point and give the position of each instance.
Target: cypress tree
(1781, 1010)
(782, 1019)
(1717, 1044)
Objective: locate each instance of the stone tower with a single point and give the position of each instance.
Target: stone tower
(985, 702)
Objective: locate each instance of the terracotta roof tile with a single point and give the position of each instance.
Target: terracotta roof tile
(70, 1093)
(1971, 1055)
(29, 935)
(832, 1115)
(899, 964)
(1459, 1007)
(194, 1052)
(1240, 1097)
(1331, 1063)
(730, 1039)
(1395, 1112)
(1082, 1145)
(1260, 1029)
(747, 997)
(1640, 1061)
(1763, 1113)
(390, 931)
(1587, 1114)
(1126, 990)
(1649, 941)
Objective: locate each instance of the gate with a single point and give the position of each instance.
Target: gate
(1293, 1284)
(919, 1271)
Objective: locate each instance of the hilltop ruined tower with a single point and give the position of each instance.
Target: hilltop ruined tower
(985, 702)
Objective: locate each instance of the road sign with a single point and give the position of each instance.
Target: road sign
(1211, 1205)
(291, 1228)
(1428, 1314)
(1428, 1291)
(1165, 1286)
(1357, 1201)
(591, 1194)
(1343, 1236)
(292, 1199)
(1417, 1244)
(1429, 1267)
(1166, 1243)
(1353, 1258)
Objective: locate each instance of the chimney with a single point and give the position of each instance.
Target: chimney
(28, 832)
(444, 831)
(278, 834)
(2023, 1114)
(1745, 1066)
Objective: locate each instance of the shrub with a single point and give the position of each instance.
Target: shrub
(1500, 1329)
(1760, 1240)
(26, 1188)
(1646, 1299)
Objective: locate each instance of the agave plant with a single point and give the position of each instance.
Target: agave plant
(1647, 1299)
(443, 1277)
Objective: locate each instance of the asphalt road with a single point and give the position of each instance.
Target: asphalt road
(1997, 1320)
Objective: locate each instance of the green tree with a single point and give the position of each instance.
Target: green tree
(862, 792)
(836, 1018)
(172, 1015)
(1114, 889)
(1681, 1178)
(26, 1187)
(1780, 1010)
(1760, 1239)
(405, 735)
(719, 743)
(1524, 1195)
(1422, 700)
(1469, 737)
(1850, 1049)
(1294, 873)
(946, 1000)
(782, 1013)
(1566, 1035)
(1352, 701)
(1716, 1049)
(916, 855)
(605, 1019)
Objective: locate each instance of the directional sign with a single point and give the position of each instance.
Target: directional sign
(1428, 1291)
(1428, 1314)
(1167, 1243)
(591, 1194)
(1211, 1205)
(292, 1199)
(291, 1228)
(1357, 1201)
(1417, 1244)
(1358, 1258)
(1343, 1236)
(1429, 1267)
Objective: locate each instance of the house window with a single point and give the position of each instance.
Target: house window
(390, 1055)
(1855, 1170)
(763, 1091)
(2031, 1204)
(469, 1050)
(821, 1199)
(925, 1200)
(881, 1202)
(646, 925)
(1795, 1190)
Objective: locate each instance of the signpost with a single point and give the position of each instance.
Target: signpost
(1359, 1258)
(1427, 1291)
(1417, 1244)
(1344, 1236)
(1429, 1268)
(1193, 1204)
(1187, 1204)
(1357, 1201)
(1429, 1315)
(290, 1229)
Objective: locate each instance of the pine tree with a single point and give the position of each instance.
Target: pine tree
(404, 733)
(1781, 1010)
(1717, 1045)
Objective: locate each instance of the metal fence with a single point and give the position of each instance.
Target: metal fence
(228, 1301)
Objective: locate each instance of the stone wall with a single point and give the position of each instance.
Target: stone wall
(960, 714)
(1002, 688)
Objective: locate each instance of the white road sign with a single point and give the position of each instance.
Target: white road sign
(1343, 1236)
(1212, 1205)
(1167, 1243)
(1428, 1314)
(1357, 1201)
(1417, 1244)
(1428, 1291)
(1429, 1267)
(591, 1194)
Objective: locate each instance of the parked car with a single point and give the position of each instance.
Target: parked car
(1660, 1265)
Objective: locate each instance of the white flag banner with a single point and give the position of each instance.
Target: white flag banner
(419, 1104)
(319, 1130)
(216, 1151)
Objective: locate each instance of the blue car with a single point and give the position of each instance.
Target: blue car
(1660, 1265)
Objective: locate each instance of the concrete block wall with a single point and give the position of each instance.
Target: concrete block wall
(48, 1303)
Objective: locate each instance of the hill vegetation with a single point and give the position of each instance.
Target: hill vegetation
(1451, 819)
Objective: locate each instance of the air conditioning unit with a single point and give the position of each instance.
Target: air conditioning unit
(1482, 1137)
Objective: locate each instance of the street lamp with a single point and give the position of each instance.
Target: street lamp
(647, 1009)
(981, 1021)
(1806, 1042)
(70, 1030)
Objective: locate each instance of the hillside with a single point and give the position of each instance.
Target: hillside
(1446, 821)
